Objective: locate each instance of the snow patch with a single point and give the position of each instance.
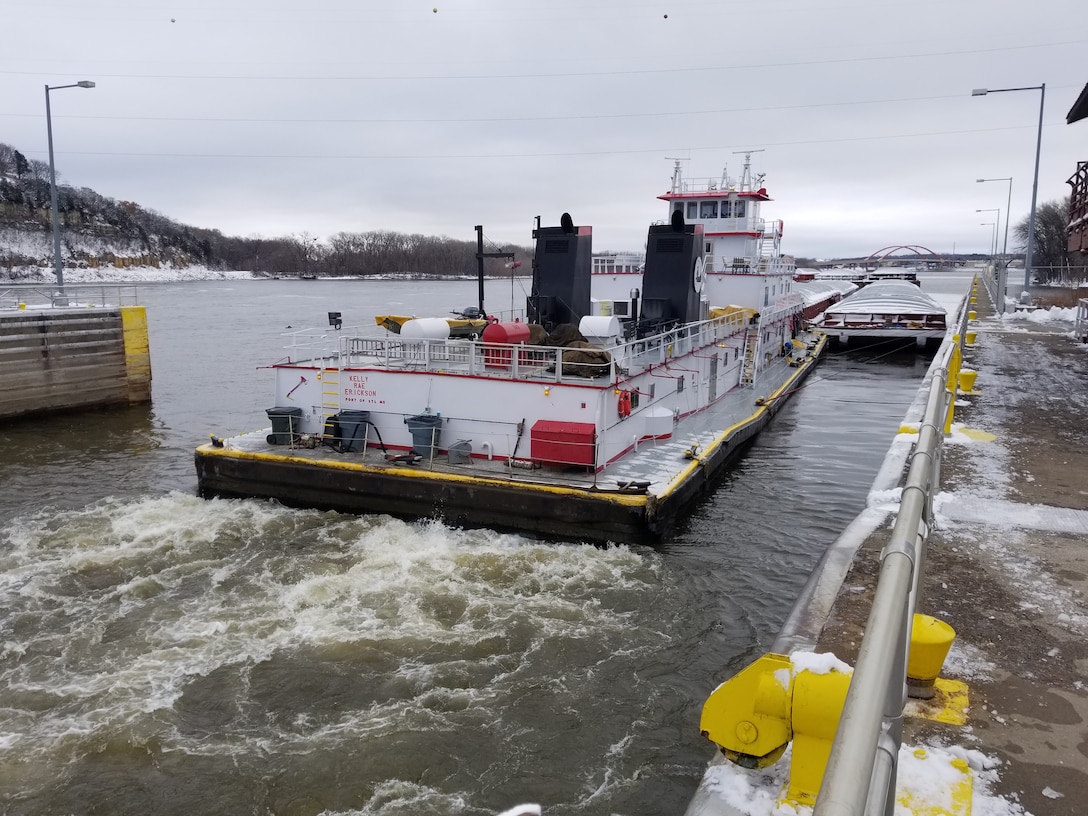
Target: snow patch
(818, 663)
(926, 778)
(129, 274)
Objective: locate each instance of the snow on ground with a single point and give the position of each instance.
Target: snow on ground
(129, 274)
(1052, 314)
(926, 776)
(986, 493)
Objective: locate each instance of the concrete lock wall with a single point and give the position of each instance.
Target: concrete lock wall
(55, 360)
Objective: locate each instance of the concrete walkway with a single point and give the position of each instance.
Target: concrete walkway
(1008, 565)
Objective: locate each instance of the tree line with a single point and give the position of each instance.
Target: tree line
(25, 205)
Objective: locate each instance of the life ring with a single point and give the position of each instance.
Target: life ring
(624, 407)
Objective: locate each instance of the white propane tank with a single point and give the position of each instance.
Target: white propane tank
(601, 330)
(426, 328)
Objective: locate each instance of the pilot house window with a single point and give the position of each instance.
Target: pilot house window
(738, 209)
(708, 209)
(693, 210)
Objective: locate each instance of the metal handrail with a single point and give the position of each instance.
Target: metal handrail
(996, 280)
(354, 348)
(1081, 326)
(38, 295)
(866, 744)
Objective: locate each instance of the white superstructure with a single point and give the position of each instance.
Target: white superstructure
(743, 251)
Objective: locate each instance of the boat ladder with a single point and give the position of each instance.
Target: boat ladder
(330, 392)
(748, 369)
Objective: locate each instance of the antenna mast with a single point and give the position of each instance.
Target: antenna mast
(677, 181)
(746, 174)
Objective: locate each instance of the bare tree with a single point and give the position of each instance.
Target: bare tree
(1050, 257)
(40, 170)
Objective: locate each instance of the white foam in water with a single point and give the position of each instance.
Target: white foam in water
(123, 609)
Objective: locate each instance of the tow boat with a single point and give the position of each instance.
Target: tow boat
(599, 414)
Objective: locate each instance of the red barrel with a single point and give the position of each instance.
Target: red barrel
(507, 334)
(512, 333)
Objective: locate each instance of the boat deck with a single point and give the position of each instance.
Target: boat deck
(651, 467)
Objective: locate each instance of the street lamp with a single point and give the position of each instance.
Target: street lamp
(1008, 212)
(993, 236)
(998, 211)
(1035, 182)
(57, 266)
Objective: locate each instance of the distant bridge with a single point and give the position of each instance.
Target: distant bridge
(920, 256)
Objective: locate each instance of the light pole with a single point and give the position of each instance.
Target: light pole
(993, 236)
(1008, 212)
(57, 265)
(998, 211)
(1035, 181)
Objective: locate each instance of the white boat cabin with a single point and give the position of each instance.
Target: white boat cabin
(743, 251)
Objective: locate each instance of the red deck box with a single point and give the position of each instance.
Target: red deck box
(563, 443)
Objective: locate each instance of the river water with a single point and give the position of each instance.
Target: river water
(164, 654)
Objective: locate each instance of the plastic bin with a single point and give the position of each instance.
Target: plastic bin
(460, 452)
(350, 431)
(425, 429)
(285, 425)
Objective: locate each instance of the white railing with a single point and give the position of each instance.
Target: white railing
(350, 349)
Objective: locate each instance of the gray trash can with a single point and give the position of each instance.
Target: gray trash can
(351, 430)
(425, 429)
(285, 425)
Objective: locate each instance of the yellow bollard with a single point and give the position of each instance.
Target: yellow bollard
(930, 640)
(22, 305)
(756, 714)
(748, 716)
(967, 381)
(971, 336)
(817, 708)
(972, 315)
(974, 299)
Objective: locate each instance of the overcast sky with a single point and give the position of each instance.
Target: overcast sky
(268, 117)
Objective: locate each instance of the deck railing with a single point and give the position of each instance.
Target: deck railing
(348, 348)
(49, 296)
